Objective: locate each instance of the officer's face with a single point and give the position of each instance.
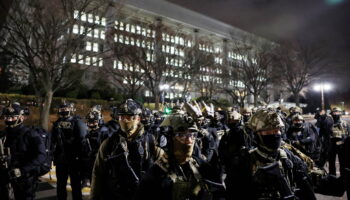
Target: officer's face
(187, 137)
(11, 120)
(129, 123)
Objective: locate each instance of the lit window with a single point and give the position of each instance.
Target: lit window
(102, 34)
(88, 46)
(97, 20)
(120, 65)
(127, 27)
(115, 38)
(82, 29)
(114, 64)
(83, 16)
(189, 43)
(94, 61)
(90, 18)
(143, 31)
(100, 63)
(87, 60)
(96, 34)
(76, 14)
(138, 42)
(172, 39)
(121, 38)
(121, 26)
(75, 29)
(126, 41)
(138, 30)
(116, 23)
(73, 59)
(89, 32)
(132, 29)
(132, 41)
(103, 21)
(153, 34)
(81, 59)
(176, 39)
(182, 42)
(95, 47)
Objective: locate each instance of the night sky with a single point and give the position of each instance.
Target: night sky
(312, 21)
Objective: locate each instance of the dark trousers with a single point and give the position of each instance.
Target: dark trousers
(333, 152)
(62, 173)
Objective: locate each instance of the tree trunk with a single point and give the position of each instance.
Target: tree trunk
(297, 99)
(255, 99)
(45, 110)
(156, 101)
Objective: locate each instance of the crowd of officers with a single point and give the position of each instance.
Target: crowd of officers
(196, 152)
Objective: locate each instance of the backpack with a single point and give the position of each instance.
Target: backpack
(46, 140)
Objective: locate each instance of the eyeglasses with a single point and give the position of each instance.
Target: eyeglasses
(186, 135)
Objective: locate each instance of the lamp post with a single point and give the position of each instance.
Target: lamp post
(322, 87)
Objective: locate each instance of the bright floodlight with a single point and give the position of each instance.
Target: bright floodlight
(324, 86)
(164, 87)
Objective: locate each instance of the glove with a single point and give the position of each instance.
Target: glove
(15, 173)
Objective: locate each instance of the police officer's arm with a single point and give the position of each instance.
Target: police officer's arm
(301, 177)
(98, 173)
(311, 138)
(38, 152)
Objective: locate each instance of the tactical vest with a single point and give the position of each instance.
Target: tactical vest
(271, 180)
(339, 130)
(184, 187)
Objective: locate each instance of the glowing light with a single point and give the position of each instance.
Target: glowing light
(334, 2)
(324, 86)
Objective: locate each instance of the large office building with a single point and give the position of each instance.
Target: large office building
(175, 31)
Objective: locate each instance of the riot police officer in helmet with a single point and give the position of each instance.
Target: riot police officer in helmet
(68, 140)
(123, 159)
(26, 152)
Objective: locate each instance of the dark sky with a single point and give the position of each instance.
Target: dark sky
(313, 21)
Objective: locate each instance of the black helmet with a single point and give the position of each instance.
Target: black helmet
(94, 116)
(129, 107)
(66, 109)
(13, 109)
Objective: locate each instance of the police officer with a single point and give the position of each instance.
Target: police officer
(68, 139)
(269, 171)
(303, 136)
(123, 158)
(27, 153)
(340, 131)
(98, 132)
(113, 124)
(147, 119)
(179, 174)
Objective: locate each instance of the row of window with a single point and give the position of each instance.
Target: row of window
(88, 17)
(134, 42)
(136, 29)
(236, 83)
(218, 60)
(87, 60)
(176, 40)
(209, 49)
(173, 50)
(168, 95)
(96, 33)
(136, 82)
(126, 66)
(209, 69)
(207, 78)
(174, 62)
(92, 46)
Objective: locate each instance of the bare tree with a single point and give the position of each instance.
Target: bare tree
(300, 64)
(253, 64)
(40, 37)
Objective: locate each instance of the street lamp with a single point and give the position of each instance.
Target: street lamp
(322, 87)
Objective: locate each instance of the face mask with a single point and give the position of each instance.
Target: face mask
(12, 123)
(336, 118)
(298, 126)
(182, 152)
(246, 118)
(64, 113)
(129, 127)
(271, 142)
